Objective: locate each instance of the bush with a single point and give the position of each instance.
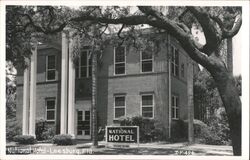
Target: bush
(63, 139)
(101, 134)
(208, 134)
(25, 139)
(44, 131)
(148, 131)
(179, 131)
(12, 129)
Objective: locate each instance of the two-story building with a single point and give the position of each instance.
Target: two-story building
(130, 83)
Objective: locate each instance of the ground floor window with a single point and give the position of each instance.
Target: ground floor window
(119, 105)
(147, 105)
(51, 109)
(83, 122)
(175, 107)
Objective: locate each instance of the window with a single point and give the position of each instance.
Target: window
(119, 62)
(84, 65)
(175, 107)
(147, 105)
(182, 69)
(174, 61)
(120, 106)
(51, 109)
(50, 67)
(146, 62)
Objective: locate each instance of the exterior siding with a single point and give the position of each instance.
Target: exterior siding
(132, 84)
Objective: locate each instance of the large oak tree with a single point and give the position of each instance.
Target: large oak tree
(217, 24)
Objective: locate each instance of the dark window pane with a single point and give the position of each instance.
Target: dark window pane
(147, 109)
(173, 112)
(177, 113)
(119, 101)
(119, 112)
(147, 66)
(50, 104)
(87, 132)
(147, 100)
(79, 115)
(147, 55)
(51, 75)
(52, 62)
(172, 68)
(176, 70)
(147, 112)
(120, 68)
(84, 58)
(50, 115)
(77, 72)
(83, 71)
(120, 54)
(79, 132)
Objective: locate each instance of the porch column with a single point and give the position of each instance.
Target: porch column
(26, 90)
(64, 83)
(71, 92)
(33, 72)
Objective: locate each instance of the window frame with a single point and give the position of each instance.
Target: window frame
(88, 66)
(153, 105)
(141, 61)
(125, 60)
(174, 61)
(175, 107)
(46, 112)
(125, 113)
(47, 69)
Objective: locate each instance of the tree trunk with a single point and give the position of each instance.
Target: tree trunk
(94, 99)
(230, 97)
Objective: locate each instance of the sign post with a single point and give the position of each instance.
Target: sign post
(122, 135)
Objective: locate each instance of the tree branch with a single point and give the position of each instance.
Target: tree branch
(235, 29)
(212, 35)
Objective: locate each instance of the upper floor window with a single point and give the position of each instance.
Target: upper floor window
(120, 106)
(51, 67)
(147, 105)
(174, 61)
(51, 109)
(182, 69)
(175, 107)
(120, 60)
(84, 65)
(146, 62)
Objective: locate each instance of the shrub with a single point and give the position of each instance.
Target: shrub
(63, 139)
(179, 131)
(101, 134)
(208, 134)
(148, 131)
(25, 139)
(12, 129)
(44, 131)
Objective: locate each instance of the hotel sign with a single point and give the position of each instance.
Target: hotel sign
(122, 134)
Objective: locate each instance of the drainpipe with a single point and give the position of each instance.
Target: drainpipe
(169, 88)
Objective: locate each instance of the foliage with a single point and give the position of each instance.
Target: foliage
(206, 96)
(44, 131)
(12, 129)
(63, 140)
(25, 139)
(148, 131)
(215, 134)
(179, 131)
